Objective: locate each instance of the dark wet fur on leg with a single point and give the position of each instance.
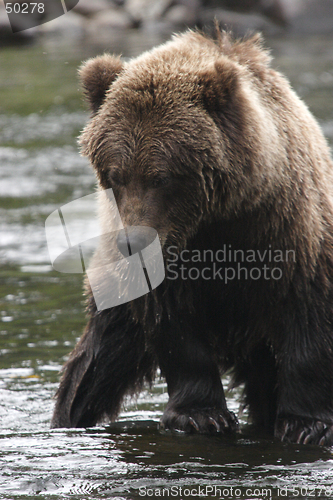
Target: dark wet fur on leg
(96, 378)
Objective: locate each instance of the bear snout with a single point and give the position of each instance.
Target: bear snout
(134, 239)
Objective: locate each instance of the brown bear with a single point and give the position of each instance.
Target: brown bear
(203, 141)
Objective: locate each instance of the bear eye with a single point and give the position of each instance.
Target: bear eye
(116, 177)
(160, 181)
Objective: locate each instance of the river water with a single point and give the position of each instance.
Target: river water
(42, 311)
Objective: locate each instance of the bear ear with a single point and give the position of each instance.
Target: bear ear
(96, 76)
(219, 84)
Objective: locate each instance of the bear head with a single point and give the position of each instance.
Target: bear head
(172, 133)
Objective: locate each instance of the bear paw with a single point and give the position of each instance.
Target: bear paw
(203, 420)
(304, 431)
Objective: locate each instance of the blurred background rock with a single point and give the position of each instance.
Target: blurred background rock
(96, 20)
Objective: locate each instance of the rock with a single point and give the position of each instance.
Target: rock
(281, 11)
(240, 24)
(70, 25)
(112, 18)
(316, 16)
(181, 15)
(147, 10)
(90, 8)
(278, 11)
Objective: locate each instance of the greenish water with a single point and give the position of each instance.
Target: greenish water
(42, 312)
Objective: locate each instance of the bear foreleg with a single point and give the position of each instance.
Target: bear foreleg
(109, 361)
(196, 396)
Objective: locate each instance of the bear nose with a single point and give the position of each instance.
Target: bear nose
(131, 241)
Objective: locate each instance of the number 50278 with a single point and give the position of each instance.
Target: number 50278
(24, 8)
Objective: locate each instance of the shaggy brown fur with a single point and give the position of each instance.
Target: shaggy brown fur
(205, 142)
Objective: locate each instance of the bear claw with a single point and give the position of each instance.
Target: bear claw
(203, 421)
(215, 424)
(194, 424)
(304, 431)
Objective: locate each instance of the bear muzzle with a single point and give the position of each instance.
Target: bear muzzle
(132, 240)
